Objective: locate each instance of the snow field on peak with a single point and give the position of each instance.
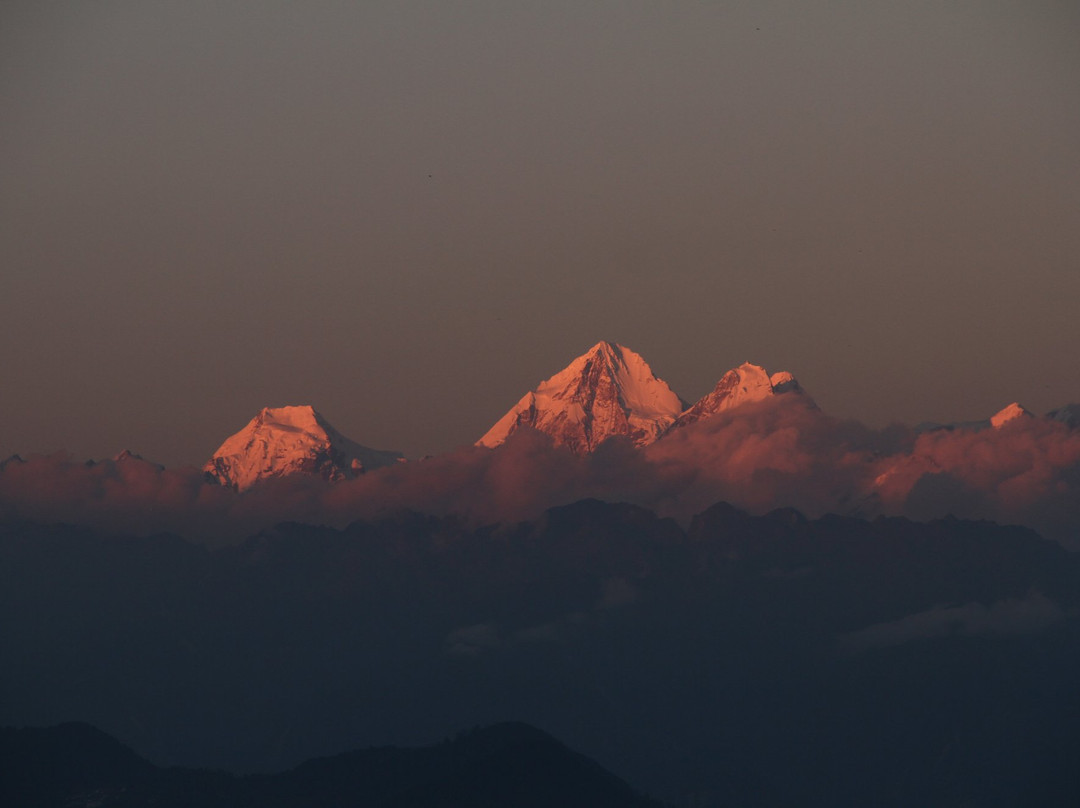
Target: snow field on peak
(286, 440)
(1009, 413)
(741, 385)
(607, 391)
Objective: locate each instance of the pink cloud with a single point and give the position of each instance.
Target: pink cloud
(775, 453)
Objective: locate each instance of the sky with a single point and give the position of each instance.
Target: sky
(408, 214)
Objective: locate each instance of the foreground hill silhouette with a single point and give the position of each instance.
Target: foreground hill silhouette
(740, 660)
(75, 764)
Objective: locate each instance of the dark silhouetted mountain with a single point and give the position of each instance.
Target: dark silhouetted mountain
(70, 764)
(743, 660)
(507, 764)
(1068, 415)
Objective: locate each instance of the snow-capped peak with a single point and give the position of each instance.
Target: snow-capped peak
(289, 440)
(607, 391)
(1010, 413)
(747, 382)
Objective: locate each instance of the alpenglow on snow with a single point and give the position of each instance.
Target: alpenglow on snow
(288, 440)
(739, 386)
(608, 391)
(611, 391)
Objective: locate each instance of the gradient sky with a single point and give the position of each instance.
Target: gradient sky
(407, 214)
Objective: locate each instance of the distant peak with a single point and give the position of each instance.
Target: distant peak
(748, 382)
(607, 391)
(1068, 415)
(603, 346)
(128, 456)
(1009, 413)
(280, 441)
(12, 459)
(612, 352)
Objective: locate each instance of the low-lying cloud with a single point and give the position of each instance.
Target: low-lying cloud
(777, 453)
(1008, 617)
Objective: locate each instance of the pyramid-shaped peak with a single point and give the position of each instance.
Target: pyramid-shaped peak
(605, 347)
(607, 391)
(128, 456)
(615, 352)
(617, 355)
(628, 369)
(602, 351)
(1009, 413)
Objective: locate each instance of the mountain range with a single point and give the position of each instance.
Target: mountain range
(735, 660)
(609, 391)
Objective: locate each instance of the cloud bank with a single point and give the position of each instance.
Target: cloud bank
(776, 453)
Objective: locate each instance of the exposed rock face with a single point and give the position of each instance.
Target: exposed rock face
(608, 391)
(738, 386)
(291, 440)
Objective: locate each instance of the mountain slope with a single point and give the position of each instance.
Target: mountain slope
(608, 391)
(996, 421)
(290, 440)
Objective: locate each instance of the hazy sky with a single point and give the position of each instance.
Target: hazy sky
(407, 214)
